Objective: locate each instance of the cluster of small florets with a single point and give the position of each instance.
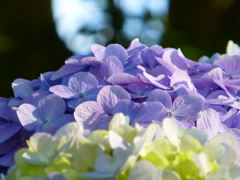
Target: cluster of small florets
(162, 151)
(146, 84)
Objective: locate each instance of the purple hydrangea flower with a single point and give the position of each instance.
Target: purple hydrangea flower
(147, 84)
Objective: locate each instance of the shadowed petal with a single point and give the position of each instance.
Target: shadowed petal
(66, 70)
(149, 112)
(53, 126)
(7, 130)
(51, 107)
(22, 88)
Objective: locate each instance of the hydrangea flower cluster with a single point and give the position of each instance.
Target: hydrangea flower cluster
(161, 151)
(147, 84)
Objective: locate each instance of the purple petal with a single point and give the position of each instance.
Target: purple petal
(149, 112)
(22, 88)
(187, 106)
(7, 160)
(53, 126)
(109, 96)
(179, 77)
(230, 64)
(7, 130)
(116, 50)
(91, 61)
(209, 121)
(112, 65)
(128, 108)
(186, 123)
(28, 117)
(65, 70)
(89, 114)
(51, 107)
(123, 78)
(63, 91)
(4, 109)
(98, 51)
(160, 96)
(82, 82)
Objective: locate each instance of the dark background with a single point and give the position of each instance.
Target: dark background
(29, 44)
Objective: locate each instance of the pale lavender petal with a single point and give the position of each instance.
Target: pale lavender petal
(179, 77)
(160, 96)
(116, 50)
(112, 65)
(123, 78)
(186, 123)
(63, 91)
(209, 121)
(109, 96)
(230, 64)
(7, 130)
(98, 51)
(89, 114)
(28, 116)
(82, 82)
(187, 106)
(51, 107)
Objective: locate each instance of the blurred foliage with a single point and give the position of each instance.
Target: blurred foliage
(29, 44)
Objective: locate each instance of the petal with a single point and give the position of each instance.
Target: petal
(87, 113)
(149, 112)
(230, 64)
(109, 96)
(123, 78)
(7, 160)
(7, 130)
(63, 91)
(91, 61)
(22, 88)
(4, 109)
(179, 77)
(66, 70)
(160, 96)
(187, 106)
(233, 48)
(98, 51)
(209, 121)
(51, 107)
(53, 126)
(116, 50)
(128, 108)
(82, 82)
(112, 65)
(28, 116)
